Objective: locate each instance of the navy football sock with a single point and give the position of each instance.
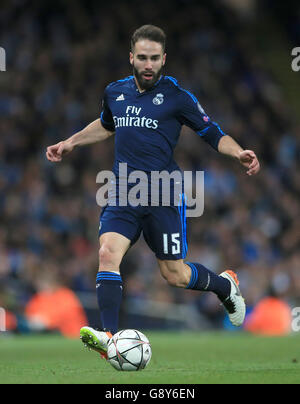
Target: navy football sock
(206, 280)
(109, 293)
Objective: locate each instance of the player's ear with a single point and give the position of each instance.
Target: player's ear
(131, 58)
(164, 59)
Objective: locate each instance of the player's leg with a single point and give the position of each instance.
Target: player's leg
(109, 286)
(176, 273)
(195, 276)
(119, 229)
(165, 232)
(112, 248)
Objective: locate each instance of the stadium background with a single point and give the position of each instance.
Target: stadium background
(235, 56)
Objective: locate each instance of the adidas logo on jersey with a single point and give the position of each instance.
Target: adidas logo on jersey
(120, 98)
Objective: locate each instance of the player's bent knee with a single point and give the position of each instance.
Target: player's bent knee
(174, 273)
(173, 281)
(176, 280)
(109, 258)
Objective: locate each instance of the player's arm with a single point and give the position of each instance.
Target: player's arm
(213, 135)
(228, 146)
(93, 133)
(194, 116)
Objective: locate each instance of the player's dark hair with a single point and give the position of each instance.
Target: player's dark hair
(150, 32)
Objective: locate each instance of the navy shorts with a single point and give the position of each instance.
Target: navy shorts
(163, 227)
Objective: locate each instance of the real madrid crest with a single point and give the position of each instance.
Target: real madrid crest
(158, 99)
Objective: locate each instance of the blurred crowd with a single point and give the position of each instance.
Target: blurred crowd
(60, 57)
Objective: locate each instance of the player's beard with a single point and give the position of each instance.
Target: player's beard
(146, 84)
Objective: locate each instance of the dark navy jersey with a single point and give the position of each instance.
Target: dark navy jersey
(147, 125)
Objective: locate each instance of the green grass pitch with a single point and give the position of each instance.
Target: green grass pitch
(178, 358)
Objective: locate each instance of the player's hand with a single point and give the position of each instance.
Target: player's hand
(56, 152)
(249, 160)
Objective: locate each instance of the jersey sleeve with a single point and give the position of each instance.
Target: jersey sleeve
(106, 115)
(193, 115)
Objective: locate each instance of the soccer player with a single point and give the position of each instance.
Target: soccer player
(145, 112)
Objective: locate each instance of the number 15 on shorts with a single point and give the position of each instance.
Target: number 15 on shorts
(173, 241)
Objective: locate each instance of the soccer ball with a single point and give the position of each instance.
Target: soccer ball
(129, 350)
